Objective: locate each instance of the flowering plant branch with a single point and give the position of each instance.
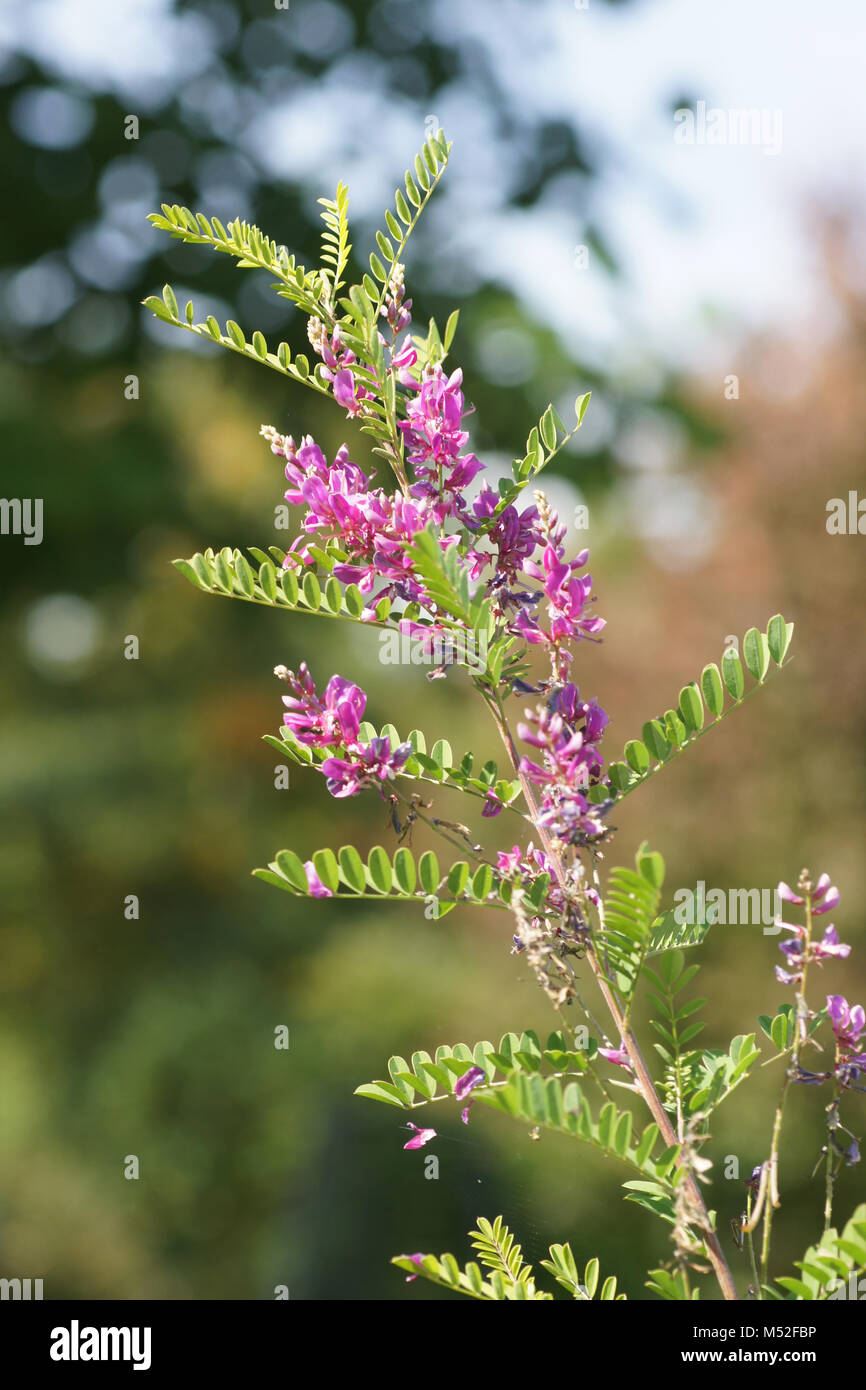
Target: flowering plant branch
(472, 577)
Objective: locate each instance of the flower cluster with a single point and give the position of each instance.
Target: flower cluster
(568, 595)
(396, 308)
(526, 865)
(434, 435)
(518, 556)
(515, 535)
(800, 950)
(338, 363)
(371, 528)
(333, 720)
(848, 1022)
(566, 730)
(374, 529)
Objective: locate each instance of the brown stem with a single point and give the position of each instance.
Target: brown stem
(642, 1075)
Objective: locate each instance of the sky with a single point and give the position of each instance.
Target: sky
(715, 239)
(709, 235)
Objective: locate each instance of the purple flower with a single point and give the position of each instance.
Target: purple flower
(468, 1081)
(797, 954)
(515, 536)
(369, 526)
(316, 886)
(571, 763)
(332, 718)
(417, 1259)
(848, 1023)
(568, 597)
(368, 764)
(811, 1078)
(419, 1139)
(337, 361)
(394, 309)
(825, 901)
(435, 438)
(824, 897)
(403, 359)
(526, 865)
(788, 894)
(830, 945)
(617, 1055)
(346, 392)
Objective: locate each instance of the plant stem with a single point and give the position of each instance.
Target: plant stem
(751, 1248)
(832, 1110)
(642, 1075)
(773, 1160)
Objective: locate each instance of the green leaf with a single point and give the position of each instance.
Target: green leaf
(655, 740)
(756, 653)
(312, 591)
(458, 877)
(714, 695)
(691, 708)
(630, 911)
(235, 332)
(547, 428)
(292, 867)
(637, 756)
(404, 871)
(352, 869)
(428, 871)
(779, 635)
(381, 1090)
(159, 308)
(170, 301)
(678, 729)
(325, 864)
(732, 673)
(379, 870)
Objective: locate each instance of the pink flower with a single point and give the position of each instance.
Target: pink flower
(847, 1022)
(824, 897)
(404, 357)
(332, 718)
(434, 440)
(337, 361)
(317, 887)
(420, 1137)
(571, 763)
(417, 1259)
(825, 900)
(527, 865)
(830, 945)
(617, 1055)
(788, 895)
(468, 1081)
(346, 392)
(368, 764)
